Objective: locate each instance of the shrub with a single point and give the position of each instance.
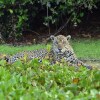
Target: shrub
(34, 80)
(16, 15)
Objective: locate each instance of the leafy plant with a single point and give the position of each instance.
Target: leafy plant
(74, 8)
(16, 15)
(44, 81)
(13, 17)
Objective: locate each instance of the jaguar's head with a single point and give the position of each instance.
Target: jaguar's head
(60, 43)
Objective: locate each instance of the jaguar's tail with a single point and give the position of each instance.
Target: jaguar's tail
(84, 65)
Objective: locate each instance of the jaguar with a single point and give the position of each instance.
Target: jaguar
(60, 49)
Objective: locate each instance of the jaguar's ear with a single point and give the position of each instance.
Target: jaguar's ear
(68, 37)
(52, 37)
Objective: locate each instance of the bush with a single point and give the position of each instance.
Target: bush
(13, 17)
(41, 81)
(16, 15)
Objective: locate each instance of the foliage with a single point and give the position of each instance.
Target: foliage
(74, 8)
(34, 80)
(16, 15)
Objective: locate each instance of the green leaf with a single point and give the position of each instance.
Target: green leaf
(2, 63)
(48, 47)
(94, 92)
(81, 14)
(11, 11)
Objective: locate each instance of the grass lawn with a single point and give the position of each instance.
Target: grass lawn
(87, 48)
(12, 50)
(84, 48)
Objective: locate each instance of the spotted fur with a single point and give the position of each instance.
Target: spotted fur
(60, 49)
(40, 54)
(63, 50)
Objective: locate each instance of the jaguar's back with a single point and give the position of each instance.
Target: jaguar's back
(40, 54)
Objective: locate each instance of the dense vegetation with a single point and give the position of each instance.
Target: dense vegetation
(18, 15)
(36, 81)
(33, 80)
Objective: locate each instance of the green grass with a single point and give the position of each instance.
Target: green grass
(89, 48)
(84, 48)
(12, 50)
